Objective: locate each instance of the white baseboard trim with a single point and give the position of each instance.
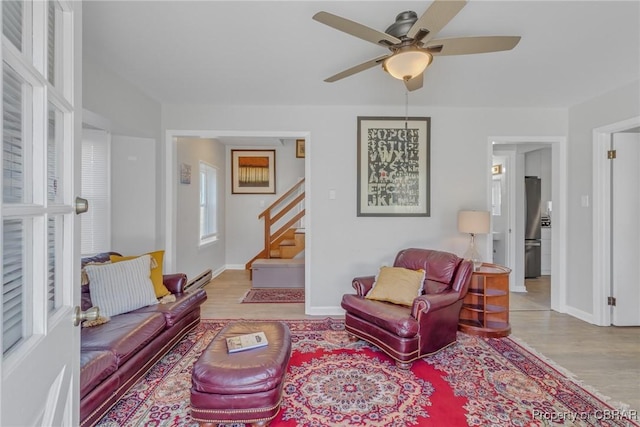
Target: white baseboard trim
(324, 311)
(582, 315)
(234, 267)
(518, 289)
(218, 272)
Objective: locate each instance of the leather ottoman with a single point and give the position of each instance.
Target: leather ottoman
(243, 387)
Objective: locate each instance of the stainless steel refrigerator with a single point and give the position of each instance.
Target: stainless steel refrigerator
(532, 234)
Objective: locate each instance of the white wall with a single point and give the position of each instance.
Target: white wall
(615, 106)
(342, 245)
(131, 113)
(245, 232)
(192, 258)
(105, 93)
(133, 195)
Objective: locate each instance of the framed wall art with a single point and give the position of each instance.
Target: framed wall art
(300, 148)
(185, 173)
(393, 166)
(253, 171)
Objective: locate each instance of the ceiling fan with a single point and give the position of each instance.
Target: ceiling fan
(411, 41)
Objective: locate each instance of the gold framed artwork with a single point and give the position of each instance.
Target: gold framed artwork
(300, 148)
(393, 166)
(253, 171)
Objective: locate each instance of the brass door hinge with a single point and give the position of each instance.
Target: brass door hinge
(611, 301)
(611, 154)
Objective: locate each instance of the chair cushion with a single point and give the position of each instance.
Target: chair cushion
(397, 285)
(95, 366)
(124, 335)
(394, 318)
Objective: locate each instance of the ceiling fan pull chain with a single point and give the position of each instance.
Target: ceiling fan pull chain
(406, 109)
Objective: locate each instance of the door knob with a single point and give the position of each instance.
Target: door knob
(80, 316)
(82, 205)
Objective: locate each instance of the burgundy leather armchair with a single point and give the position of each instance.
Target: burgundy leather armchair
(429, 325)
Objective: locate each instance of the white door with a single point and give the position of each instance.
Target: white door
(625, 229)
(39, 366)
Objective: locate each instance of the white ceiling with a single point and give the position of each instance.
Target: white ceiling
(273, 53)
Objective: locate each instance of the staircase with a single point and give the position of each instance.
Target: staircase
(283, 238)
(291, 244)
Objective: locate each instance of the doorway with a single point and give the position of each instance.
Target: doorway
(512, 151)
(260, 139)
(610, 244)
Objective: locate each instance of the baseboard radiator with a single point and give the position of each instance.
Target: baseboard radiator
(201, 280)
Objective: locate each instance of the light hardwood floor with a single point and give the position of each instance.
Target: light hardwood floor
(606, 358)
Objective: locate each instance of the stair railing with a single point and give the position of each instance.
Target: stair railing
(274, 213)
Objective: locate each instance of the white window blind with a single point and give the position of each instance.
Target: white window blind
(208, 204)
(51, 42)
(13, 149)
(14, 162)
(95, 229)
(12, 22)
(12, 283)
(52, 297)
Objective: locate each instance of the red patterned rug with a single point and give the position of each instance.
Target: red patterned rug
(334, 382)
(272, 295)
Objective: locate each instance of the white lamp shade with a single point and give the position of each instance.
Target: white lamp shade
(407, 64)
(474, 222)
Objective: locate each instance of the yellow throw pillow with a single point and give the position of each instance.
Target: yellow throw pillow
(156, 271)
(397, 285)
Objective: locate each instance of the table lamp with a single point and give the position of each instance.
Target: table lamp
(474, 222)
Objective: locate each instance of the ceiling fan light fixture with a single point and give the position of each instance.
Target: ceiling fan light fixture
(407, 64)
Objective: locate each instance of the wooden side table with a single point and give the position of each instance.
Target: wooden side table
(485, 309)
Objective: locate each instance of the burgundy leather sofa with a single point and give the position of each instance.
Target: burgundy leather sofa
(429, 325)
(116, 354)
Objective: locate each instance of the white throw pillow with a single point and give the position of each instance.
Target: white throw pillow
(122, 286)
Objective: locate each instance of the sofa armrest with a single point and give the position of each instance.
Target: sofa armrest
(363, 285)
(175, 282)
(433, 302)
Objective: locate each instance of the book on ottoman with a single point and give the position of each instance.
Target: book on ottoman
(246, 342)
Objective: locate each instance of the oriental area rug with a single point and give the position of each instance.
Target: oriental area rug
(332, 381)
(273, 295)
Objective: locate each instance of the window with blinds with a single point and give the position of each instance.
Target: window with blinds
(53, 297)
(208, 205)
(12, 22)
(51, 43)
(35, 213)
(14, 151)
(95, 232)
(14, 163)
(54, 155)
(12, 283)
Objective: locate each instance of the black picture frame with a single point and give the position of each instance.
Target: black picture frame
(394, 166)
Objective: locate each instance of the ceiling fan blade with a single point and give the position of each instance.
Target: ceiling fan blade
(415, 83)
(353, 70)
(358, 30)
(469, 45)
(435, 18)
